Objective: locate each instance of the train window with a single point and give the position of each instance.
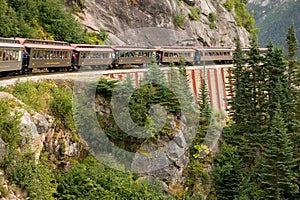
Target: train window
(11, 55)
(20, 55)
(8, 55)
(39, 54)
(63, 54)
(15, 55)
(1, 55)
(33, 55)
(166, 55)
(48, 54)
(52, 54)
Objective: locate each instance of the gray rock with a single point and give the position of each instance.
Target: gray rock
(41, 123)
(27, 127)
(73, 149)
(174, 152)
(151, 22)
(179, 139)
(150, 162)
(2, 148)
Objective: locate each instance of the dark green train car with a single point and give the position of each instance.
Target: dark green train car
(10, 56)
(175, 54)
(45, 54)
(132, 56)
(93, 56)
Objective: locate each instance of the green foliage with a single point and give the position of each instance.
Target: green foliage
(77, 5)
(292, 50)
(34, 94)
(198, 178)
(37, 178)
(256, 124)
(47, 19)
(100, 182)
(9, 130)
(212, 17)
(3, 192)
(242, 16)
(61, 107)
(229, 5)
(105, 87)
(226, 177)
(180, 19)
(275, 170)
(195, 13)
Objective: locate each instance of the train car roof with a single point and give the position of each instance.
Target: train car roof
(94, 48)
(90, 46)
(128, 48)
(214, 48)
(45, 42)
(80, 49)
(173, 47)
(11, 45)
(9, 40)
(47, 46)
(176, 50)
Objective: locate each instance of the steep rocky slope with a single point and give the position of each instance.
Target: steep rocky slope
(168, 22)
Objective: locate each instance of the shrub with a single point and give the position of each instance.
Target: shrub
(37, 179)
(9, 130)
(100, 182)
(212, 17)
(34, 94)
(61, 107)
(195, 13)
(180, 19)
(229, 5)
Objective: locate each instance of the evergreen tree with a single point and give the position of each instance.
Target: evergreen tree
(294, 83)
(236, 82)
(228, 163)
(276, 83)
(247, 103)
(203, 101)
(292, 47)
(276, 163)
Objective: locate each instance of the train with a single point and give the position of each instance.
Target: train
(20, 56)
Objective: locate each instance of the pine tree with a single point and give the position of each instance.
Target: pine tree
(237, 83)
(249, 110)
(276, 163)
(276, 83)
(292, 47)
(294, 83)
(230, 162)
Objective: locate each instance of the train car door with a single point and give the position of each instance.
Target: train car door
(197, 57)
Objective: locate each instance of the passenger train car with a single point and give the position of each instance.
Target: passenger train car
(94, 56)
(45, 54)
(10, 56)
(21, 55)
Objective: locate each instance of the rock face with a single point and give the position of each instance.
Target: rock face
(167, 157)
(38, 133)
(149, 22)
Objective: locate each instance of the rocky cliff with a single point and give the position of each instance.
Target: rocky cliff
(168, 22)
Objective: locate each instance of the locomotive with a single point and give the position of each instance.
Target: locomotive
(19, 55)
